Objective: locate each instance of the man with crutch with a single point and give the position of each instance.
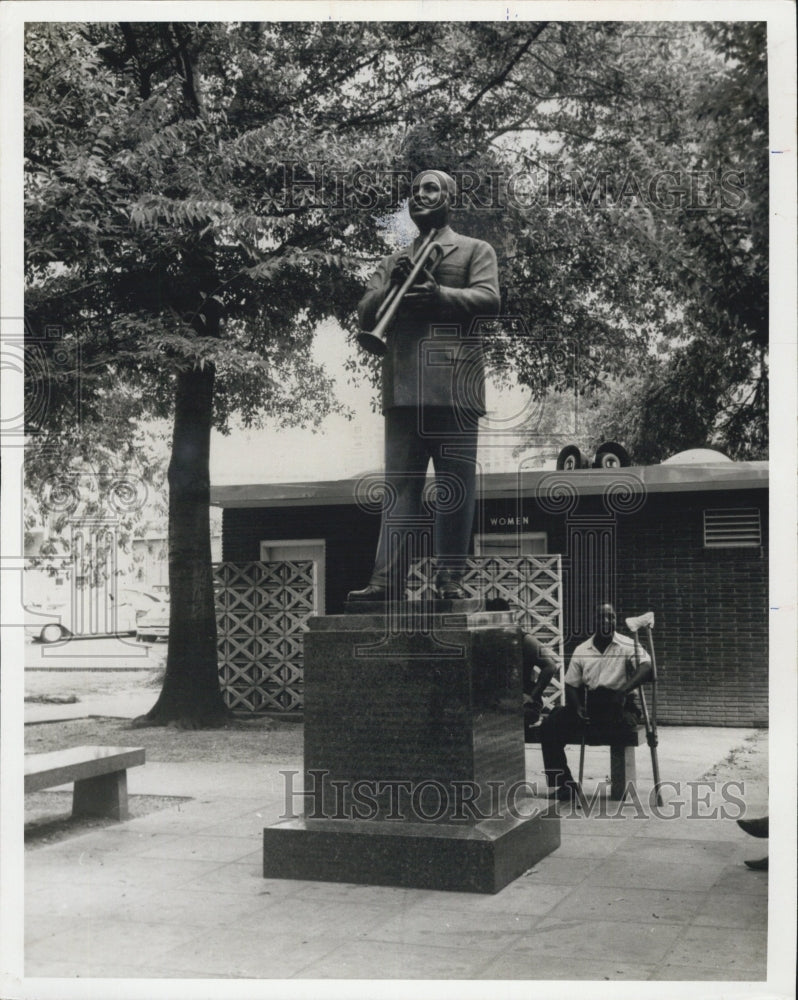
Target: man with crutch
(602, 672)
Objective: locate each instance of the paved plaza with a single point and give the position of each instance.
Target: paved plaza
(178, 893)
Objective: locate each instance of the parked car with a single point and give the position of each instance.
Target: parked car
(52, 621)
(44, 621)
(609, 455)
(154, 624)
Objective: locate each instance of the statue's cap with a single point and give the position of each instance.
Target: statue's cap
(447, 182)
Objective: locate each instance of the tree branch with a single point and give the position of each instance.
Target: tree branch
(178, 50)
(500, 77)
(132, 52)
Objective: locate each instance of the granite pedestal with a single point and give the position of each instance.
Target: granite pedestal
(414, 754)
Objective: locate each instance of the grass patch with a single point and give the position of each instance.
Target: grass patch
(250, 740)
(52, 699)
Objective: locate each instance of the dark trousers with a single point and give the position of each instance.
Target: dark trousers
(418, 523)
(607, 713)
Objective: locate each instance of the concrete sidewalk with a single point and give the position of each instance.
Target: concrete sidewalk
(126, 705)
(179, 893)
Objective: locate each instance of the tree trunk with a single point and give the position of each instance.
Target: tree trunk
(191, 695)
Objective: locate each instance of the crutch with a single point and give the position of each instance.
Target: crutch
(646, 622)
(582, 747)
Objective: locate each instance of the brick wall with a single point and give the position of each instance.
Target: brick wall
(711, 607)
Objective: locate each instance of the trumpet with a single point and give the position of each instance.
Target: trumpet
(427, 258)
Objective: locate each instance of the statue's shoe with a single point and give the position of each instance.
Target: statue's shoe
(369, 593)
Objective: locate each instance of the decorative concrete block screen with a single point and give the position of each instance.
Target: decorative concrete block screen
(532, 585)
(262, 610)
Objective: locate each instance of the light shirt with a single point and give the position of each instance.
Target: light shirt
(609, 669)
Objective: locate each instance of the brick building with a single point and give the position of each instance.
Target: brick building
(687, 541)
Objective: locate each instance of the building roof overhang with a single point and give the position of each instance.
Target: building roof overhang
(666, 478)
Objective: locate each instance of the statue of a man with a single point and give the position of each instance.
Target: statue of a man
(433, 393)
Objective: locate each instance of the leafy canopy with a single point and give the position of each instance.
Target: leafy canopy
(192, 199)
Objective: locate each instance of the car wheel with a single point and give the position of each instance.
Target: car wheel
(611, 456)
(571, 459)
(53, 632)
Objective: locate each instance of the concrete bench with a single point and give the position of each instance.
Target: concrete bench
(622, 752)
(99, 775)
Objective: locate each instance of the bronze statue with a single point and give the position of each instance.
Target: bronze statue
(433, 387)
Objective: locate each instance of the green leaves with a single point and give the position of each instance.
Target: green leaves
(155, 210)
(242, 218)
(646, 227)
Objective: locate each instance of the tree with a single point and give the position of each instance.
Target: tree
(645, 240)
(152, 152)
(186, 228)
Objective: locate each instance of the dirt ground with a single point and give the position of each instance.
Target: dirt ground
(245, 740)
(48, 815)
(747, 763)
(241, 741)
(76, 685)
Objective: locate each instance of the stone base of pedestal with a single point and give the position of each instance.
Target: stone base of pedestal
(414, 769)
(480, 857)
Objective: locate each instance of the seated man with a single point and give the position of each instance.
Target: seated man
(600, 676)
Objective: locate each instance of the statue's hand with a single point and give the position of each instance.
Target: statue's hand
(401, 270)
(425, 295)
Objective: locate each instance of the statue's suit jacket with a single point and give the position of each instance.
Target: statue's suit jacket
(432, 359)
